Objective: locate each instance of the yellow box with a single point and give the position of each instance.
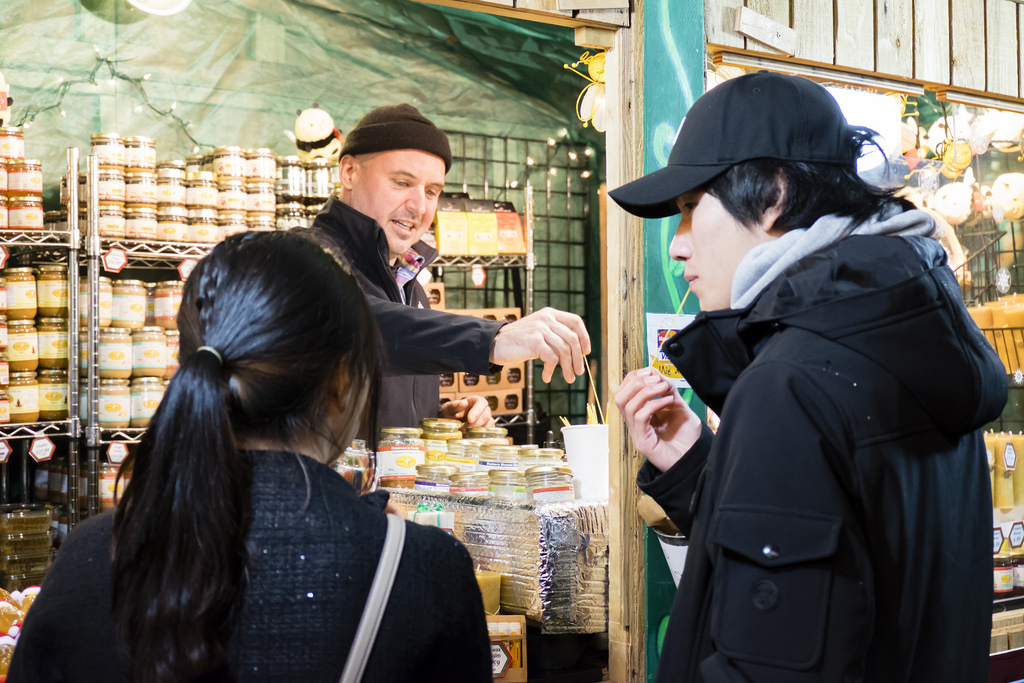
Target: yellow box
(504, 401)
(511, 238)
(482, 227)
(510, 377)
(451, 230)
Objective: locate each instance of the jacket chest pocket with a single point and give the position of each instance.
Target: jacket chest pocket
(772, 583)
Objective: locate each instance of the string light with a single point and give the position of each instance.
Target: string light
(585, 174)
(529, 161)
(572, 156)
(551, 141)
(553, 171)
(64, 86)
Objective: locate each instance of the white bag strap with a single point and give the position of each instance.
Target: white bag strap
(376, 601)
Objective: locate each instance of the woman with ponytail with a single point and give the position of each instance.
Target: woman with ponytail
(236, 553)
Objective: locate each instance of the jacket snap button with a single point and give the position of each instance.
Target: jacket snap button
(765, 594)
(770, 551)
(675, 348)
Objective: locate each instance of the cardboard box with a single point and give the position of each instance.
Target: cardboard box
(449, 382)
(511, 237)
(451, 228)
(482, 226)
(472, 383)
(508, 650)
(435, 293)
(504, 401)
(510, 377)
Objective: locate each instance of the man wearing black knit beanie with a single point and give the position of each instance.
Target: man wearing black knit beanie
(392, 171)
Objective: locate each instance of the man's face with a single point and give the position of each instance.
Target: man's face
(399, 189)
(712, 243)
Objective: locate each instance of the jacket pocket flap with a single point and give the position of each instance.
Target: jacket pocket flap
(774, 537)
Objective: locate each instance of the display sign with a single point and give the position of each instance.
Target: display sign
(479, 276)
(4, 255)
(186, 267)
(117, 452)
(660, 327)
(500, 659)
(1016, 534)
(997, 540)
(42, 449)
(5, 451)
(1009, 457)
(114, 260)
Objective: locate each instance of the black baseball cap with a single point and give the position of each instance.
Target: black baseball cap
(762, 115)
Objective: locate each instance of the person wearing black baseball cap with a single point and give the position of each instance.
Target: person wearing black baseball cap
(838, 520)
(392, 171)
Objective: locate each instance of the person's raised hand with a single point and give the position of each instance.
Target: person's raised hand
(663, 428)
(555, 337)
(472, 410)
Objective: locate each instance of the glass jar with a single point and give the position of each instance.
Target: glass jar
(486, 433)
(259, 197)
(290, 179)
(12, 142)
(149, 352)
(259, 163)
(172, 352)
(22, 345)
(140, 153)
(495, 457)
(546, 484)
(52, 291)
(5, 371)
(53, 343)
(400, 450)
(194, 163)
(433, 478)
(230, 223)
(5, 406)
(150, 304)
(24, 213)
(170, 191)
(3, 331)
(172, 223)
(110, 184)
(24, 178)
(24, 393)
(537, 457)
(53, 395)
(201, 191)
(111, 489)
(3, 180)
(507, 485)
(203, 227)
(129, 309)
(146, 394)
(436, 434)
(1017, 561)
(140, 222)
(115, 353)
(115, 404)
(469, 484)
(108, 148)
(464, 454)
(231, 194)
(3, 211)
(106, 297)
(171, 168)
(319, 184)
(111, 220)
(290, 215)
(260, 222)
(229, 162)
(140, 187)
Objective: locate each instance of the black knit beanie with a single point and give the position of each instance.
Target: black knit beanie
(400, 126)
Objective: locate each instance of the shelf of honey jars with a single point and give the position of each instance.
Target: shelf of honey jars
(1005, 452)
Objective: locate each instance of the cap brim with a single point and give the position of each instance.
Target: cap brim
(654, 195)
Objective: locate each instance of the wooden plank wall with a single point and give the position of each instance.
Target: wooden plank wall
(966, 44)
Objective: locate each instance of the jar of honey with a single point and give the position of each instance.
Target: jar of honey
(22, 346)
(173, 342)
(24, 393)
(111, 185)
(129, 299)
(170, 191)
(12, 142)
(168, 301)
(108, 148)
(259, 164)
(52, 291)
(290, 215)
(53, 343)
(53, 394)
(112, 220)
(115, 404)
(140, 222)
(3, 331)
(229, 162)
(203, 227)
(115, 353)
(150, 304)
(545, 484)
(111, 488)
(21, 293)
(259, 197)
(194, 164)
(171, 168)
(399, 452)
(106, 301)
(290, 180)
(434, 479)
(172, 223)
(25, 213)
(259, 222)
(146, 394)
(24, 178)
(436, 434)
(201, 191)
(231, 223)
(140, 153)
(5, 406)
(231, 194)
(149, 352)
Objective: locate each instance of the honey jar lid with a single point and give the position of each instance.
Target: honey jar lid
(110, 382)
(53, 321)
(227, 150)
(11, 130)
(138, 140)
(142, 381)
(288, 161)
(18, 271)
(446, 470)
(129, 283)
(149, 329)
(22, 376)
(548, 469)
(171, 163)
(259, 152)
(177, 284)
(400, 431)
(506, 476)
(53, 268)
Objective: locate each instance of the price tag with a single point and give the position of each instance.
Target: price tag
(42, 449)
(4, 255)
(117, 452)
(5, 451)
(479, 276)
(114, 260)
(1016, 534)
(500, 659)
(997, 540)
(186, 267)
(1009, 457)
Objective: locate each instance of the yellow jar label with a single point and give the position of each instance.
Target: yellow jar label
(53, 344)
(22, 347)
(24, 399)
(115, 355)
(398, 461)
(53, 397)
(52, 293)
(21, 295)
(145, 402)
(113, 409)
(149, 354)
(129, 308)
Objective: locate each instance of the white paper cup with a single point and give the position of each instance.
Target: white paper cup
(675, 548)
(586, 450)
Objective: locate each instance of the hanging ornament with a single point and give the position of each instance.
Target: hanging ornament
(591, 105)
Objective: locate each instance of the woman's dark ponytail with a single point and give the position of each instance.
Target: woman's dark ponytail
(284, 319)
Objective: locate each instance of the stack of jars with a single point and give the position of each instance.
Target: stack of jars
(126, 187)
(138, 349)
(34, 370)
(239, 183)
(302, 188)
(21, 184)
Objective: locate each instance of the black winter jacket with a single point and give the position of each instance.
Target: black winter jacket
(840, 520)
(314, 547)
(418, 343)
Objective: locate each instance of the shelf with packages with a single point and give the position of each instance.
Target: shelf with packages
(127, 435)
(151, 253)
(36, 238)
(30, 430)
(490, 261)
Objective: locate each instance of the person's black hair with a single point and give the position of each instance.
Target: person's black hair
(806, 190)
(294, 332)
